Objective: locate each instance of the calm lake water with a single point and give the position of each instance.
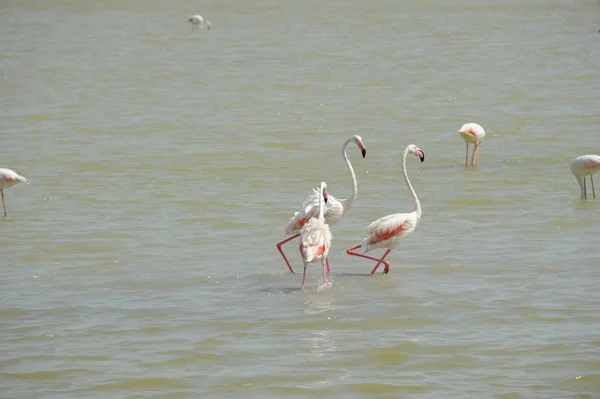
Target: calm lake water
(164, 163)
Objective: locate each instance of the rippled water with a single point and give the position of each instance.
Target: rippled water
(141, 259)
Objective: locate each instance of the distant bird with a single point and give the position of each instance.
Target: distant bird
(198, 22)
(336, 208)
(315, 237)
(472, 133)
(583, 166)
(388, 231)
(9, 178)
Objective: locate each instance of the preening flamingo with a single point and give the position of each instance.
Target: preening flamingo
(472, 133)
(315, 237)
(583, 166)
(388, 231)
(336, 208)
(197, 21)
(9, 178)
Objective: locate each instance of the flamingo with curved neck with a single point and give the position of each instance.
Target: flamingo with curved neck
(388, 231)
(335, 209)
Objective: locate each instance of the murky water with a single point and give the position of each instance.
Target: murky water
(164, 163)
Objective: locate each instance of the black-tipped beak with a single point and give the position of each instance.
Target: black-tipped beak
(364, 152)
(422, 158)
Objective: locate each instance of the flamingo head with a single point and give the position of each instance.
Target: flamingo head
(413, 149)
(191, 19)
(361, 146)
(323, 188)
(208, 25)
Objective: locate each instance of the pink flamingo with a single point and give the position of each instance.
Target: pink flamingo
(583, 166)
(388, 231)
(9, 178)
(336, 208)
(315, 237)
(472, 133)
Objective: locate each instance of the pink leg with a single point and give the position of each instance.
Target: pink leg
(584, 189)
(279, 247)
(476, 155)
(467, 157)
(593, 189)
(303, 278)
(328, 267)
(387, 267)
(3, 203)
(324, 272)
(349, 252)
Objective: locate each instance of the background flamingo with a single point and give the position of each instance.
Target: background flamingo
(9, 178)
(315, 237)
(336, 208)
(583, 166)
(197, 21)
(388, 231)
(472, 133)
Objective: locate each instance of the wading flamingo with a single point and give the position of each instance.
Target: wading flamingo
(315, 237)
(336, 208)
(9, 178)
(472, 133)
(198, 22)
(583, 166)
(388, 231)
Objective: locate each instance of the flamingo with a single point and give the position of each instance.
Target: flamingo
(315, 237)
(197, 21)
(9, 178)
(583, 166)
(472, 133)
(388, 231)
(336, 208)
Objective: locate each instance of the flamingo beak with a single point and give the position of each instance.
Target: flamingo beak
(325, 196)
(421, 155)
(364, 152)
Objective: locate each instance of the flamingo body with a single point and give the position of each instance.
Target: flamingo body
(583, 166)
(315, 238)
(472, 133)
(388, 231)
(198, 22)
(335, 208)
(9, 178)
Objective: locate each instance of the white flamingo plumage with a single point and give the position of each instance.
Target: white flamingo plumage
(9, 178)
(198, 22)
(315, 237)
(582, 166)
(335, 209)
(388, 231)
(472, 133)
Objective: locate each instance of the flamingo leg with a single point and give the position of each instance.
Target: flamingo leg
(387, 266)
(593, 189)
(3, 203)
(467, 156)
(328, 267)
(303, 278)
(279, 247)
(584, 189)
(323, 263)
(476, 155)
(349, 252)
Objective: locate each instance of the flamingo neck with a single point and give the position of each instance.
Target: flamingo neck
(321, 203)
(410, 187)
(347, 204)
